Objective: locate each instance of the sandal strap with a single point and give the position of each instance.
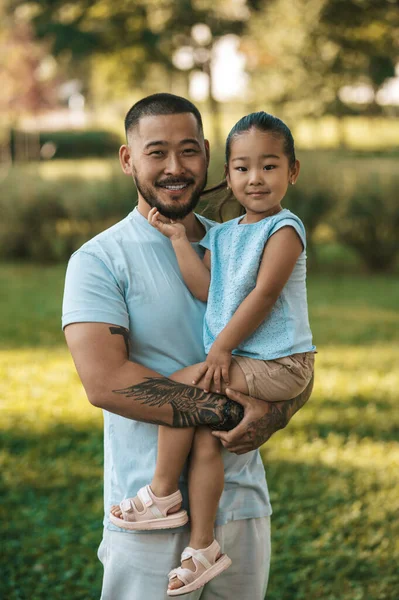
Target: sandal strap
(157, 507)
(186, 576)
(196, 555)
(144, 495)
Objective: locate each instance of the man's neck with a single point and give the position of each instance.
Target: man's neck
(194, 228)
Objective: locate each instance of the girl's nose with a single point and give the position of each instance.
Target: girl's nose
(255, 177)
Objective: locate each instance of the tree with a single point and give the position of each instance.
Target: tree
(301, 54)
(28, 79)
(133, 37)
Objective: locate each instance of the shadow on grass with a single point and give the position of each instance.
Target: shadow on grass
(332, 536)
(51, 490)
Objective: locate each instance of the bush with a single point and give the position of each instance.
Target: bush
(354, 198)
(367, 220)
(71, 143)
(47, 220)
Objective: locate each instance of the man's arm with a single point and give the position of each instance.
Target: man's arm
(261, 420)
(113, 382)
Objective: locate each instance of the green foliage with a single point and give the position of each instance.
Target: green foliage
(313, 48)
(341, 197)
(368, 221)
(48, 220)
(332, 473)
(74, 143)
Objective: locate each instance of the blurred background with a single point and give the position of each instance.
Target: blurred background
(69, 72)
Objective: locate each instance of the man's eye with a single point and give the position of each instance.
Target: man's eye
(156, 153)
(190, 151)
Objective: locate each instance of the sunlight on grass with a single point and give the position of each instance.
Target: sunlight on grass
(36, 382)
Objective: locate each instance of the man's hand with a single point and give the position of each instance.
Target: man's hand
(261, 419)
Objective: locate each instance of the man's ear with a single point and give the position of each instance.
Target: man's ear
(125, 156)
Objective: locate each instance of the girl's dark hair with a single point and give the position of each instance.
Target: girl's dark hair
(263, 122)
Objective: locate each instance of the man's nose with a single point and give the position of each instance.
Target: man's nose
(174, 165)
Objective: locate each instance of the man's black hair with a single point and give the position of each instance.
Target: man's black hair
(161, 104)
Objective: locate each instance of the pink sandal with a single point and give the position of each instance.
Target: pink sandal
(154, 514)
(206, 568)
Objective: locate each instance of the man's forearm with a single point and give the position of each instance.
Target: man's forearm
(186, 406)
(120, 386)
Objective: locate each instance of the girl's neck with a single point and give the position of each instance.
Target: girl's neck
(256, 217)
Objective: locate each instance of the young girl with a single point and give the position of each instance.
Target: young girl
(256, 334)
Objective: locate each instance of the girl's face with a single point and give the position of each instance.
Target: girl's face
(259, 173)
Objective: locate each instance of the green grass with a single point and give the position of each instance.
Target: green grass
(332, 473)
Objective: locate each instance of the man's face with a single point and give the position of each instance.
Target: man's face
(168, 159)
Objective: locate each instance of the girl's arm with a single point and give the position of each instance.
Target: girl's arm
(196, 273)
(279, 258)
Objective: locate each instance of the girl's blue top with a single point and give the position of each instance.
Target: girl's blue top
(236, 252)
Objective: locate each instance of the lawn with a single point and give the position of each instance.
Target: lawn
(333, 473)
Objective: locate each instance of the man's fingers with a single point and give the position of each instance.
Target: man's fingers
(237, 396)
(238, 448)
(233, 436)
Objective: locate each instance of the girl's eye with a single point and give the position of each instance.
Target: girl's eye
(241, 169)
(269, 167)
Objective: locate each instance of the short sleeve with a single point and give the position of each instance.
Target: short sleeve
(92, 293)
(290, 222)
(206, 241)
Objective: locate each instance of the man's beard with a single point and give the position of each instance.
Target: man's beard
(174, 210)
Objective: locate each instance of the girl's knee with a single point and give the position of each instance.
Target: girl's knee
(205, 445)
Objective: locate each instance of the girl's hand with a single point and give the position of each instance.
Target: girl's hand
(215, 368)
(171, 229)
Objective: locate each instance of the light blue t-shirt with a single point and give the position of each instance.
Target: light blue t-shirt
(236, 252)
(129, 276)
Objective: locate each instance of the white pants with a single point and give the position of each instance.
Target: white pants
(136, 565)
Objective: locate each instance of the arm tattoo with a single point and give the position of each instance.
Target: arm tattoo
(277, 417)
(191, 406)
(124, 333)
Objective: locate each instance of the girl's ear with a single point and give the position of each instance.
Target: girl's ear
(226, 175)
(294, 172)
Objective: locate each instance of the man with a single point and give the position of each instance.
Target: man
(130, 322)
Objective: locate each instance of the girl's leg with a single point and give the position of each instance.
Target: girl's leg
(205, 487)
(206, 475)
(176, 443)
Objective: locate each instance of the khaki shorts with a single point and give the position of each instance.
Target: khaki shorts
(278, 379)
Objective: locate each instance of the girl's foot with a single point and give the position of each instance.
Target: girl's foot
(148, 511)
(199, 565)
(157, 491)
